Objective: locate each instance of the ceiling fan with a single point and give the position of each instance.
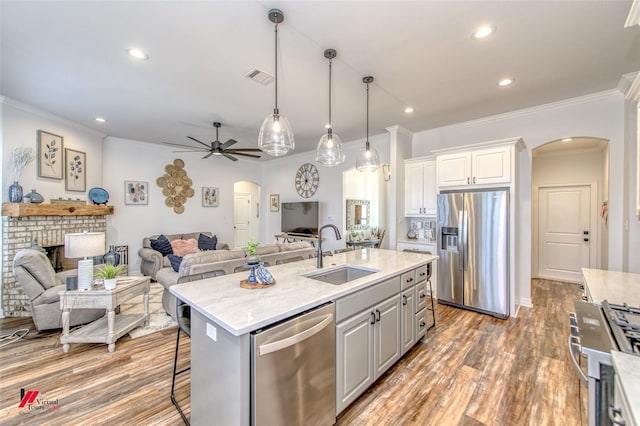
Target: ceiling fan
(217, 148)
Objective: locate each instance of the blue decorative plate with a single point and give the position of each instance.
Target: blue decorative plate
(98, 195)
(264, 276)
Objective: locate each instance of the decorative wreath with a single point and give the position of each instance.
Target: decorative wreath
(176, 185)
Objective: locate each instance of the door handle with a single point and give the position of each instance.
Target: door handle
(404, 300)
(373, 318)
(377, 315)
(295, 339)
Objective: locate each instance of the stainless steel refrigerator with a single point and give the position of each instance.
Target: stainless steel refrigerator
(473, 250)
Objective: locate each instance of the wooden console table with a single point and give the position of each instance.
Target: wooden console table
(111, 327)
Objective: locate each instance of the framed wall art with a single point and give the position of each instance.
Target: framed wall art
(210, 196)
(50, 155)
(76, 170)
(274, 202)
(136, 192)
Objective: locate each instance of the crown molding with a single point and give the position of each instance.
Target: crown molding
(49, 116)
(634, 15)
(528, 111)
(629, 84)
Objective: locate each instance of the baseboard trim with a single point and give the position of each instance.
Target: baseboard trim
(526, 302)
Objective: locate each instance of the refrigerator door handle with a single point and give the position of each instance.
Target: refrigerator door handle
(460, 246)
(464, 230)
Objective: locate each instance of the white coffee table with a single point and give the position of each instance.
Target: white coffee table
(111, 327)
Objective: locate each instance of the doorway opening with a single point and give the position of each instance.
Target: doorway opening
(247, 221)
(570, 187)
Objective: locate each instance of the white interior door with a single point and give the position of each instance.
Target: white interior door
(241, 219)
(564, 232)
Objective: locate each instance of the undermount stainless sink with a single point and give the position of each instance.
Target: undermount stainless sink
(341, 274)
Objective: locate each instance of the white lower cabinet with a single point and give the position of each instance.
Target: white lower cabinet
(408, 321)
(367, 345)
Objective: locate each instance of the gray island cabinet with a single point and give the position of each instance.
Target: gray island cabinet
(378, 318)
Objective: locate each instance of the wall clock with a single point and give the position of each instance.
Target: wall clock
(307, 180)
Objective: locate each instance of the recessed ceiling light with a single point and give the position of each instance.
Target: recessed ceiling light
(137, 53)
(506, 82)
(408, 110)
(483, 32)
(566, 140)
(101, 120)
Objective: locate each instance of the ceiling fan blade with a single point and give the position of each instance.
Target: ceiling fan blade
(191, 150)
(246, 149)
(228, 143)
(242, 153)
(230, 157)
(208, 155)
(186, 146)
(202, 143)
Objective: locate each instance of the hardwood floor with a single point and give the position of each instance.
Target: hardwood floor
(473, 370)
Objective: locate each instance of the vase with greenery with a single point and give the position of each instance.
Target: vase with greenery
(252, 249)
(19, 158)
(108, 273)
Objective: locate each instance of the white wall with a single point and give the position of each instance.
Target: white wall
(569, 168)
(633, 137)
(20, 129)
(600, 115)
(133, 160)
(278, 178)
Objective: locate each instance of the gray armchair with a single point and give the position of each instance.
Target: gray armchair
(39, 281)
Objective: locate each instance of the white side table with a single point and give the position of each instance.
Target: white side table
(111, 327)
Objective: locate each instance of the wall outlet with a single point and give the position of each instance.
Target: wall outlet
(212, 332)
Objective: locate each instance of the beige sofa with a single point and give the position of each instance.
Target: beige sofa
(207, 264)
(152, 261)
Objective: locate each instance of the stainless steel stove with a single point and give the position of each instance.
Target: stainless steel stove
(596, 330)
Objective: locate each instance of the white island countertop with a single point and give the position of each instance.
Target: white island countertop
(240, 311)
(628, 371)
(614, 287)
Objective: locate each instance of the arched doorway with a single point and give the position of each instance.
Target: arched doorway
(247, 222)
(570, 186)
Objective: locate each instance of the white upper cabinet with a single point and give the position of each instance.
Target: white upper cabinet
(478, 167)
(420, 188)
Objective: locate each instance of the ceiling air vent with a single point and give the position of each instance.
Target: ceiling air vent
(259, 76)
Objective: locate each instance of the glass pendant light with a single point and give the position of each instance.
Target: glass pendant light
(329, 151)
(276, 135)
(368, 160)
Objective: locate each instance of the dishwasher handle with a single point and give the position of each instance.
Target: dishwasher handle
(278, 345)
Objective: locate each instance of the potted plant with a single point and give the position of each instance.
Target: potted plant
(251, 248)
(108, 273)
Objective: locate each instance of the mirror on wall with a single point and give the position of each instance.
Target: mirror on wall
(358, 214)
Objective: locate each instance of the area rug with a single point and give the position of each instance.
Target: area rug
(158, 317)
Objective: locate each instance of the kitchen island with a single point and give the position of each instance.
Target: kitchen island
(223, 315)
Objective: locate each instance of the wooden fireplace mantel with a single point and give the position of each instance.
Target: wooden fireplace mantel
(57, 209)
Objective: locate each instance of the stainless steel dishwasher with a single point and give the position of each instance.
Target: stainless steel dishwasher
(293, 371)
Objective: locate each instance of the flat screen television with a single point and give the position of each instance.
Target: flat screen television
(300, 218)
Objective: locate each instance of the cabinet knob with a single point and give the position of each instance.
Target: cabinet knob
(404, 300)
(468, 181)
(422, 323)
(373, 318)
(377, 315)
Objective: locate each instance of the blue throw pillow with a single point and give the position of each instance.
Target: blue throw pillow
(162, 245)
(207, 243)
(175, 261)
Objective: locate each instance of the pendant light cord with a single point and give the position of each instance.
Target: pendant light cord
(367, 144)
(276, 37)
(330, 61)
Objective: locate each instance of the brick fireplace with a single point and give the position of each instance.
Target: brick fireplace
(22, 224)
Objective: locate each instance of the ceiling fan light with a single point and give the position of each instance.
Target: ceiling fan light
(276, 136)
(329, 151)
